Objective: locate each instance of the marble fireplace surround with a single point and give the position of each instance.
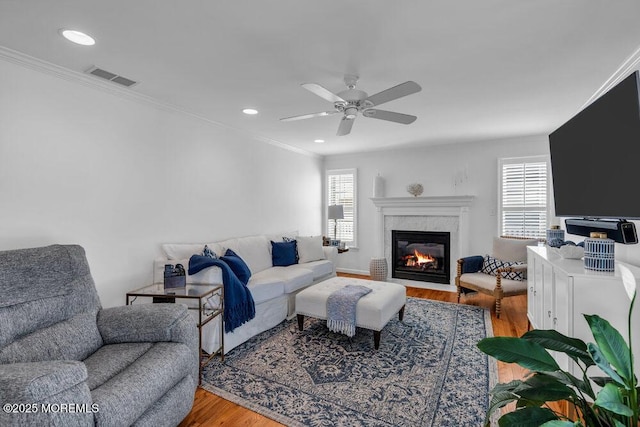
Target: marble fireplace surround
(429, 213)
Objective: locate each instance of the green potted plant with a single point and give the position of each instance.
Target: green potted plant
(615, 404)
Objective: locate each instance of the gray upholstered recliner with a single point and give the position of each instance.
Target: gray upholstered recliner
(66, 361)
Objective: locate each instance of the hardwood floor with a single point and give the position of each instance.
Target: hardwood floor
(211, 410)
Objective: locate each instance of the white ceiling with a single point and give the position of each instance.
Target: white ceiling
(488, 68)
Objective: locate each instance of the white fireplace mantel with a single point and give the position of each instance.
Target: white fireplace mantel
(428, 206)
(426, 202)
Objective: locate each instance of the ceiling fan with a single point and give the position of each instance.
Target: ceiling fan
(352, 101)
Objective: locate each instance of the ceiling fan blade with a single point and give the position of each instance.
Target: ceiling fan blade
(345, 126)
(405, 119)
(322, 92)
(308, 116)
(403, 89)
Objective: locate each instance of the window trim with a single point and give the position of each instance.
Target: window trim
(353, 244)
(525, 159)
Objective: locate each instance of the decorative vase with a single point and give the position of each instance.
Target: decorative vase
(378, 186)
(555, 233)
(599, 253)
(378, 269)
(415, 189)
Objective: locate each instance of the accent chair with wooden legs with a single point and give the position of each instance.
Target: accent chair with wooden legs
(501, 274)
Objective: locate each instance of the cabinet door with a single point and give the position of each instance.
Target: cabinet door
(531, 283)
(560, 311)
(535, 282)
(548, 290)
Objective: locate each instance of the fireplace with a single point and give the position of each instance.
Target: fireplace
(420, 255)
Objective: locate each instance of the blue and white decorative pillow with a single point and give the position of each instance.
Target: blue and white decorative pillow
(208, 252)
(490, 265)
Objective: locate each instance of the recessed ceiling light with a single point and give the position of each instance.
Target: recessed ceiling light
(319, 141)
(77, 37)
(250, 111)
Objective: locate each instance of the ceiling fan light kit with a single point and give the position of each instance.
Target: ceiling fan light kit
(352, 101)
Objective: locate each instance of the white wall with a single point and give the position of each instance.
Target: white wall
(120, 177)
(458, 169)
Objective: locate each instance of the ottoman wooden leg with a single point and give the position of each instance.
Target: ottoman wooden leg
(401, 313)
(300, 322)
(376, 339)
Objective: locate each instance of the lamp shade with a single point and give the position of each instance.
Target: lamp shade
(336, 212)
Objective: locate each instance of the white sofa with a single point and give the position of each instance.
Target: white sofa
(273, 288)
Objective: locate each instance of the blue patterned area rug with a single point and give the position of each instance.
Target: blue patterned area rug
(427, 372)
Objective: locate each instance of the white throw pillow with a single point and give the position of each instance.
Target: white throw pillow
(255, 251)
(309, 248)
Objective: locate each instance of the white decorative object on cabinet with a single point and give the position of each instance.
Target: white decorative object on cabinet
(561, 290)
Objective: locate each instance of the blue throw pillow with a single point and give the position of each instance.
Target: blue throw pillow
(237, 265)
(284, 253)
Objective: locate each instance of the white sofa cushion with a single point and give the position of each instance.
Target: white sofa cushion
(255, 251)
(320, 268)
(309, 249)
(265, 286)
(291, 278)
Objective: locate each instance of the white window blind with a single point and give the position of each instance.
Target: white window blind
(341, 190)
(524, 197)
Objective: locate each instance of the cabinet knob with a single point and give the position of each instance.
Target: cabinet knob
(549, 313)
(555, 321)
(531, 289)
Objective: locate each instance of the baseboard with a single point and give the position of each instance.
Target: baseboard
(425, 285)
(410, 283)
(352, 271)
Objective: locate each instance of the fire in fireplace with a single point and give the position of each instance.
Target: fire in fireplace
(420, 255)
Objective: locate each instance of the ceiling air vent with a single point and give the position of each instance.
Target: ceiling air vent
(107, 75)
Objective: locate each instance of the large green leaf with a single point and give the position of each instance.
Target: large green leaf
(544, 388)
(554, 340)
(603, 363)
(568, 379)
(561, 423)
(529, 355)
(612, 345)
(501, 395)
(610, 398)
(527, 417)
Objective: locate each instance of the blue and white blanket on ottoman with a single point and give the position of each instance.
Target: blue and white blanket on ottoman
(341, 309)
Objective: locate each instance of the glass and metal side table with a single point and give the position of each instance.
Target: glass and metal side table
(210, 305)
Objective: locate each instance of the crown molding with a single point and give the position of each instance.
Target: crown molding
(629, 65)
(24, 60)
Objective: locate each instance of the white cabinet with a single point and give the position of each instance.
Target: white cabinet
(562, 290)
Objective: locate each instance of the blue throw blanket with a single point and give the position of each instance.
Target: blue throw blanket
(341, 309)
(239, 306)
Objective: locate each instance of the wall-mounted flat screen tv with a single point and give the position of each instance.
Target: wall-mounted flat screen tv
(595, 157)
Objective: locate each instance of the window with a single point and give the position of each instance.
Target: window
(524, 196)
(341, 190)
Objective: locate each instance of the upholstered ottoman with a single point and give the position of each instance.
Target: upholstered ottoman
(373, 310)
